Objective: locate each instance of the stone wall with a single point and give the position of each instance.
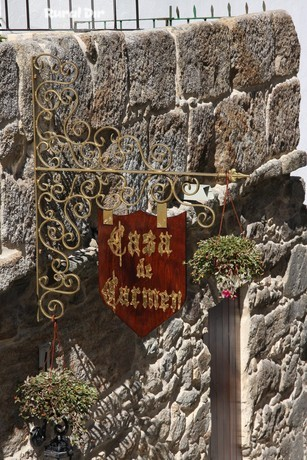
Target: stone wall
(222, 94)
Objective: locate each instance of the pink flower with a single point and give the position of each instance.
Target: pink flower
(226, 294)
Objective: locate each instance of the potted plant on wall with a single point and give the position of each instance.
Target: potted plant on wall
(58, 397)
(231, 260)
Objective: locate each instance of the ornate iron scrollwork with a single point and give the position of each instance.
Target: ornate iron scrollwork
(76, 167)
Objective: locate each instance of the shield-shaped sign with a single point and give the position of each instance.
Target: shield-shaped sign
(142, 271)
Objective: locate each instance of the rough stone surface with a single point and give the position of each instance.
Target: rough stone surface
(106, 54)
(265, 382)
(287, 47)
(151, 79)
(9, 83)
(257, 335)
(283, 117)
(240, 132)
(18, 224)
(220, 95)
(296, 276)
(201, 143)
(170, 129)
(204, 73)
(293, 161)
(252, 50)
(12, 148)
(13, 266)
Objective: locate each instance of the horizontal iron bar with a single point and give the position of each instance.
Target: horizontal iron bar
(59, 29)
(103, 22)
(33, 29)
(152, 172)
(165, 19)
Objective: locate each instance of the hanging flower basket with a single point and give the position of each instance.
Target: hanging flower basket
(57, 395)
(231, 260)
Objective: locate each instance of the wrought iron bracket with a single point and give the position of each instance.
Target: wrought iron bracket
(77, 167)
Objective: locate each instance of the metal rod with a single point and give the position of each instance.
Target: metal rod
(28, 15)
(71, 22)
(37, 245)
(49, 15)
(137, 14)
(151, 172)
(66, 29)
(115, 14)
(93, 13)
(7, 25)
(36, 29)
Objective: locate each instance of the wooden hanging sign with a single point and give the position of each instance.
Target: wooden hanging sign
(142, 271)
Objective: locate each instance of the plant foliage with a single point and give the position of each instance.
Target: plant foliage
(56, 395)
(232, 260)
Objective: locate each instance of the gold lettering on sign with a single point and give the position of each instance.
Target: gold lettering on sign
(165, 244)
(109, 291)
(176, 299)
(142, 270)
(150, 244)
(124, 296)
(164, 300)
(134, 243)
(123, 241)
(115, 242)
(134, 293)
(151, 298)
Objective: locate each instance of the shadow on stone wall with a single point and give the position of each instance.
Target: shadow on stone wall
(138, 379)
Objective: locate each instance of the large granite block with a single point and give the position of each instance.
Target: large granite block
(106, 53)
(283, 117)
(203, 59)
(240, 132)
(252, 49)
(201, 138)
(287, 47)
(8, 83)
(152, 66)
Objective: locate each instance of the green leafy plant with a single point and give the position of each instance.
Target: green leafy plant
(56, 395)
(232, 260)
